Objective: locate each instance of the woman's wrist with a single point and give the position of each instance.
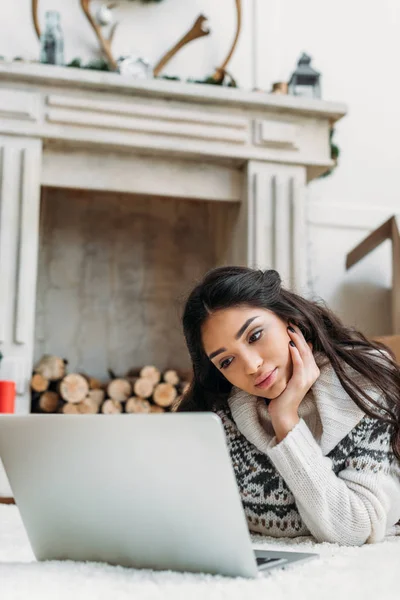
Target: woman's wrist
(284, 425)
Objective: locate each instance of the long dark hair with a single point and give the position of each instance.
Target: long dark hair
(227, 287)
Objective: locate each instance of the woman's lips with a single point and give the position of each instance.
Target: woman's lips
(268, 380)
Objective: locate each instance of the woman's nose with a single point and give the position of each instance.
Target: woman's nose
(252, 363)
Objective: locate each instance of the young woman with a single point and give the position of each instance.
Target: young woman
(310, 408)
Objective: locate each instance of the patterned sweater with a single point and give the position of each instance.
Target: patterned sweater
(333, 476)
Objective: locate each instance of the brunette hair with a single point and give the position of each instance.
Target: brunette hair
(233, 286)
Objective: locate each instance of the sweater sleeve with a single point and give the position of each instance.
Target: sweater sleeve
(353, 507)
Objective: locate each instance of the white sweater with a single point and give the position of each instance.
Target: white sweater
(334, 474)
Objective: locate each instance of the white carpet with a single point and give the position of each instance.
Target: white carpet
(368, 573)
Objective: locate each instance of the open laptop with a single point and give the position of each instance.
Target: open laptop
(153, 491)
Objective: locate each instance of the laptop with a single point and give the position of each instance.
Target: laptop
(151, 491)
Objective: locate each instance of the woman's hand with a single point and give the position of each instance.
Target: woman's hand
(283, 409)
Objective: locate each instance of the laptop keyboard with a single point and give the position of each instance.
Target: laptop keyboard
(269, 563)
(264, 561)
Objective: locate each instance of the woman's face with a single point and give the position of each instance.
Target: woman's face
(250, 346)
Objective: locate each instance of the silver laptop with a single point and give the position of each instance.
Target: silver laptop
(153, 491)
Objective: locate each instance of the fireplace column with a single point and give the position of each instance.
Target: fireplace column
(20, 174)
(271, 229)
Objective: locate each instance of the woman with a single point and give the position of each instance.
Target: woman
(310, 408)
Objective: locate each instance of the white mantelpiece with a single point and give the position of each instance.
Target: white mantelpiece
(72, 128)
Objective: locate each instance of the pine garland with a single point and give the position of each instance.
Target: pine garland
(335, 152)
(100, 64)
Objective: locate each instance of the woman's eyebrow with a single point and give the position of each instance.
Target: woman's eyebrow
(244, 327)
(237, 336)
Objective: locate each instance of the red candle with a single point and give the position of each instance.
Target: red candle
(7, 396)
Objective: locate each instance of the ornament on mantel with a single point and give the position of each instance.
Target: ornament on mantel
(104, 15)
(52, 40)
(135, 66)
(280, 87)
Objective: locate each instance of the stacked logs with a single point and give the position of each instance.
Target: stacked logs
(144, 390)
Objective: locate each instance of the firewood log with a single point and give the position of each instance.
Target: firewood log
(137, 405)
(39, 383)
(93, 382)
(171, 377)
(111, 407)
(70, 409)
(73, 388)
(119, 390)
(88, 406)
(156, 409)
(143, 387)
(49, 402)
(152, 373)
(164, 394)
(96, 396)
(51, 367)
(132, 380)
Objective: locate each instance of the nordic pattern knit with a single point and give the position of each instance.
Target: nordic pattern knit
(333, 476)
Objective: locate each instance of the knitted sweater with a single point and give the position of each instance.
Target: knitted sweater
(333, 476)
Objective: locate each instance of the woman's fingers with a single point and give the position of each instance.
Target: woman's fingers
(305, 369)
(304, 348)
(298, 365)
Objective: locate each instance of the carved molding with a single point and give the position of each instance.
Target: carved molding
(17, 104)
(132, 117)
(276, 134)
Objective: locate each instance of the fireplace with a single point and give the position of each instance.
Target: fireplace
(115, 196)
(113, 272)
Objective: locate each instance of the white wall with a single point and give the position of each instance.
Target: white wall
(356, 47)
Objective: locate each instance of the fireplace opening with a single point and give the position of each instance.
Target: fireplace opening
(113, 272)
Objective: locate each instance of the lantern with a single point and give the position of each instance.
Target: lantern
(305, 80)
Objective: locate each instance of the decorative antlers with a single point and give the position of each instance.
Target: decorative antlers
(198, 30)
(221, 71)
(104, 43)
(35, 16)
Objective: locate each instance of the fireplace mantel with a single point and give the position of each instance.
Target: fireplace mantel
(78, 107)
(73, 128)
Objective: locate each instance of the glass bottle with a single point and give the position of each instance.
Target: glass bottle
(52, 40)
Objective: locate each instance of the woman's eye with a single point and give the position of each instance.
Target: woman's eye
(255, 336)
(225, 363)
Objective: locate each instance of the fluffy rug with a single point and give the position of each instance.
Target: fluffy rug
(366, 573)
